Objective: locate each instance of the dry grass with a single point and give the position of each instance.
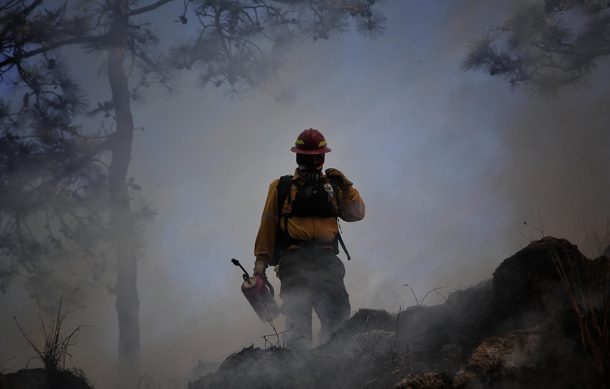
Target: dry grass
(56, 345)
(587, 284)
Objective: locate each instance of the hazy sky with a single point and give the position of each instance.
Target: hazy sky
(449, 164)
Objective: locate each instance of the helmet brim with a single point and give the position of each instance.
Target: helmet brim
(324, 150)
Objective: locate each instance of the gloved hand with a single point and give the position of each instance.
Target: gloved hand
(339, 178)
(260, 267)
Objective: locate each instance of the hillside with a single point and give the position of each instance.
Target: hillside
(542, 320)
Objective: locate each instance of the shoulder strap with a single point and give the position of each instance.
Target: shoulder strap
(282, 239)
(283, 189)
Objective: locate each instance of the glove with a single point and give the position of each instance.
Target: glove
(260, 267)
(338, 177)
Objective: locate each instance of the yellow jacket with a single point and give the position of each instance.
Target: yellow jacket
(351, 209)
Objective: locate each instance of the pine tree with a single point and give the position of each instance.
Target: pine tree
(547, 45)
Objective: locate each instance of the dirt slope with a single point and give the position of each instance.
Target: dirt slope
(518, 329)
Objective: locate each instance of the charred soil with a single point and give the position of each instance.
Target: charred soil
(543, 320)
(43, 379)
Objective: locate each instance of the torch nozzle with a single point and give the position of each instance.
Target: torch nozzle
(236, 263)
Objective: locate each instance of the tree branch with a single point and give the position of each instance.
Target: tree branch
(24, 13)
(148, 8)
(54, 45)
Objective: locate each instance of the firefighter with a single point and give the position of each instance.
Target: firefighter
(299, 234)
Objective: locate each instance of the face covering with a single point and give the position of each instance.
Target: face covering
(310, 165)
(310, 161)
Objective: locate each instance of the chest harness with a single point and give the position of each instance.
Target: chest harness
(314, 198)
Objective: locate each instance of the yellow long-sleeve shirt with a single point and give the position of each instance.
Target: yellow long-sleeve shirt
(351, 208)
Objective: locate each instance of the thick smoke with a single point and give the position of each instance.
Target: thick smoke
(450, 164)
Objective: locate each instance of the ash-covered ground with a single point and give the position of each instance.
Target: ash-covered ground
(541, 321)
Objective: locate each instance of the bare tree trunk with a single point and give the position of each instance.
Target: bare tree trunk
(122, 224)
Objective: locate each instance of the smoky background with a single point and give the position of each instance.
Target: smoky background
(449, 163)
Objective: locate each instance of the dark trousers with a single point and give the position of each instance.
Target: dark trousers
(312, 279)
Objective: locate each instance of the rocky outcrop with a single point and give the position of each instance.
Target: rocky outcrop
(518, 329)
(527, 285)
(502, 358)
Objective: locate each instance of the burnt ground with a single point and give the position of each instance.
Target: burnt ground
(42, 379)
(541, 321)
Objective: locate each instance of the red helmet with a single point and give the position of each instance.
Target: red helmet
(310, 141)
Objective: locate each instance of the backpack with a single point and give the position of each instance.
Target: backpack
(283, 239)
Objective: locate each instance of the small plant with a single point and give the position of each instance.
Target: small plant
(420, 301)
(538, 229)
(270, 342)
(56, 345)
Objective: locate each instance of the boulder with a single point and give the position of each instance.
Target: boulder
(527, 286)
